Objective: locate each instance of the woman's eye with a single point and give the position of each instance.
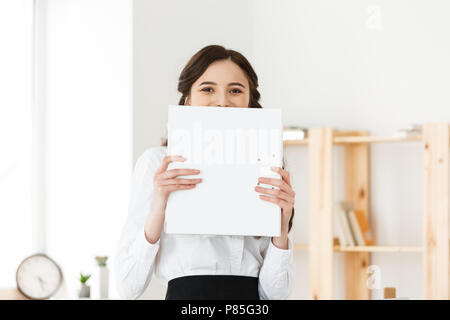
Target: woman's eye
(208, 89)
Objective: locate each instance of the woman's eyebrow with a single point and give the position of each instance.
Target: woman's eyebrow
(230, 84)
(207, 82)
(236, 84)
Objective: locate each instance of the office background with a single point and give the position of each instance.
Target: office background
(99, 75)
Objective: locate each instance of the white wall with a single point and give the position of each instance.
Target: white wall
(349, 64)
(355, 64)
(16, 19)
(88, 147)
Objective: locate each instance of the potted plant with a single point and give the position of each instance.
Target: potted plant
(85, 290)
(103, 276)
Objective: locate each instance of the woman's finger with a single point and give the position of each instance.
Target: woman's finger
(276, 193)
(277, 183)
(169, 174)
(281, 203)
(283, 173)
(175, 187)
(167, 182)
(166, 161)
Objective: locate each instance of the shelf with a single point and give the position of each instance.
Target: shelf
(357, 139)
(379, 249)
(302, 142)
(300, 247)
(368, 248)
(369, 139)
(321, 246)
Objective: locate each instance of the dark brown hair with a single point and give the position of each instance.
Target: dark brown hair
(198, 64)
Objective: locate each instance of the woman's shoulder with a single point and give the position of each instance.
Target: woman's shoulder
(159, 151)
(151, 156)
(153, 153)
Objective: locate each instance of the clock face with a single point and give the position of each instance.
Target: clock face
(38, 277)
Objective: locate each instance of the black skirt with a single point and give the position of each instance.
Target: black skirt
(213, 287)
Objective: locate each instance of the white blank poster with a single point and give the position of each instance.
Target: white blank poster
(231, 147)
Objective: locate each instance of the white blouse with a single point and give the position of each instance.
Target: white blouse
(180, 255)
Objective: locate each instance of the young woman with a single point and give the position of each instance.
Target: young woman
(203, 266)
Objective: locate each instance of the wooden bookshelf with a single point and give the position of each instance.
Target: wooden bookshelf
(435, 140)
(368, 139)
(344, 140)
(303, 142)
(304, 247)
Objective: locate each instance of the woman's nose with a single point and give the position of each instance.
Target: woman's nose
(223, 101)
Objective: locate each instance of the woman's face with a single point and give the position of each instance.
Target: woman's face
(223, 84)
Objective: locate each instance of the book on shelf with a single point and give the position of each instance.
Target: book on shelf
(357, 232)
(341, 233)
(352, 226)
(343, 229)
(294, 133)
(414, 130)
(363, 227)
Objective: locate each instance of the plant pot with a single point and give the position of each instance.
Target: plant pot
(85, 291)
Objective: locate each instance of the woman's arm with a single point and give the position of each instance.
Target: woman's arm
(135, 255)
(276, 277)
(154, 225)
(139, 244)
(281, 242)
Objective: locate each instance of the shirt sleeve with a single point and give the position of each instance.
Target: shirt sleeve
(276, 276)
(135, 256)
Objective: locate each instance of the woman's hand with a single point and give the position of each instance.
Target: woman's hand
(166, 181)
(284, 198)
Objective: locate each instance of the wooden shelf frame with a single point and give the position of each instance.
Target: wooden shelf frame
(368, 248)
(435, 140)
(355, 139)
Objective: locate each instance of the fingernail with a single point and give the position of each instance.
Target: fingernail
(274, 168)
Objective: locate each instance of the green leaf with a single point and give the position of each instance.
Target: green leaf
(84, 278)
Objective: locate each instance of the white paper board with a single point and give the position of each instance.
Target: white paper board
(231, 147)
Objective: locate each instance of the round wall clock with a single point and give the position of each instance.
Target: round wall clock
(38, 277)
